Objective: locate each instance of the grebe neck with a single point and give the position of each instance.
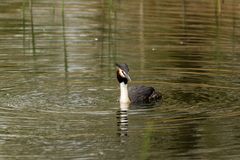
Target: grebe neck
(124, 93)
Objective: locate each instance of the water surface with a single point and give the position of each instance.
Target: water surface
(58, 89)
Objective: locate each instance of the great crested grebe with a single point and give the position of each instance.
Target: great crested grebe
(135, 94)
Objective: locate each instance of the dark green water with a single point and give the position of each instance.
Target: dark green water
(58, 89)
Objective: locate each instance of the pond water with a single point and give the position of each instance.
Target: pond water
(58, 87)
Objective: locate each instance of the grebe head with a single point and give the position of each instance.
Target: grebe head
(122, 73)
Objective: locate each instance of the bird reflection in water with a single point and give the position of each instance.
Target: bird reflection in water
(122, 121)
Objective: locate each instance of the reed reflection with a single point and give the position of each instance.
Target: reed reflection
(32, 28)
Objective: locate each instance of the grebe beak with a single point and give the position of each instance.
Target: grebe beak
(127, 76)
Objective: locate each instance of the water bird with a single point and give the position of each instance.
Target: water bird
(135, 94)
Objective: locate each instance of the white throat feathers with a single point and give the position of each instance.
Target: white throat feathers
(124, 93)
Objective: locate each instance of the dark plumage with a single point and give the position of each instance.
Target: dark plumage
(136, 94)
(143, 94)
